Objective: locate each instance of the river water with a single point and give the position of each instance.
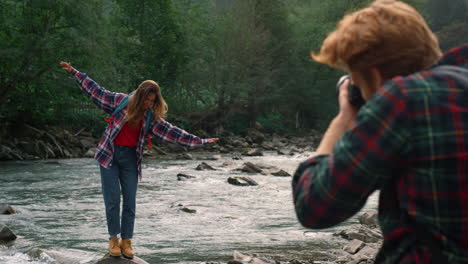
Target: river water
(60, 212)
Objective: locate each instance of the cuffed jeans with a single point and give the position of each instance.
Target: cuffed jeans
(122, 174)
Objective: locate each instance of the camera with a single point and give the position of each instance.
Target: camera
(354, 93)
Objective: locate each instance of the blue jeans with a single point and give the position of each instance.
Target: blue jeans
(122, 174)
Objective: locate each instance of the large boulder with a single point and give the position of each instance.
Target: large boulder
(120, 260)
(6, 235)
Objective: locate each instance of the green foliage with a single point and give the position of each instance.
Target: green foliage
(273, 123)
(237, 123)
(441, 14)
(239, 61)
(453, 35)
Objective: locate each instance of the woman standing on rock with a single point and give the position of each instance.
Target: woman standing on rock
(120, 150)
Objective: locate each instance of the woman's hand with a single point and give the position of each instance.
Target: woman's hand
(66, 66)
(212, 140)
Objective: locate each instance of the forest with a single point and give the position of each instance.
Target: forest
(223, 65)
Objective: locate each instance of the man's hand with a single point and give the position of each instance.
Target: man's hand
(342, 122)
(66, 66)
(212, 140)
(347, 111)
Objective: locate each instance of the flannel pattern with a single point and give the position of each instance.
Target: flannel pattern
(108, 102)
(411, 144)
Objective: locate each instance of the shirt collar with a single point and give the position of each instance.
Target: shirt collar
(457, 56)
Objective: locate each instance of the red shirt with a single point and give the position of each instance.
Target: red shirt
(128, 135)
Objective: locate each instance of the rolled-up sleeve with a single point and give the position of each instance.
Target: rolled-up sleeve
(329, 189)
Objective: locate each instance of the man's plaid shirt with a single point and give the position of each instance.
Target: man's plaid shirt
(411, 143)
(108, 101)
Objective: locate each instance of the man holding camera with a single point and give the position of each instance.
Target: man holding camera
(409, 139)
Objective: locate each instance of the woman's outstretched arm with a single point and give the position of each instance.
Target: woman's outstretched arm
(103, 98)
(172, 134)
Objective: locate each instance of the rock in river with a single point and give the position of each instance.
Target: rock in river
(183, 177)
(120, 260)
(6, 235)
(204, 166)
(242, 181)
(6, 209)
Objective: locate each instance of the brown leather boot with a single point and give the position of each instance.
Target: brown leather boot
(114, 247)
(126, 246)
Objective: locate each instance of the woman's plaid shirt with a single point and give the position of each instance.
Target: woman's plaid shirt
(411, 143)
(108, 102)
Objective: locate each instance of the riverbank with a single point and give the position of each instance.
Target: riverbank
(56, 143)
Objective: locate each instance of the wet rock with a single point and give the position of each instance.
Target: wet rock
(367, 253)
(6, 235)
(185, 156)
(295, 261)
(267, 146)
(87, 142)
(90, 153)
(204, 166)
(244, 259)
(185, 209)
(251, 168)
(228, 163)
(236, 157)
(369, 219)
(280, 152)
(242, 181)
(224, 150)
(281, 173)
(253, 152)
(148, 153)
(362, 233)
(184, 177)
(239, 143)
(175, 148)
(293, 151)
(353, 246)
(120, 260)
(214, 157)
(6, 209)
(69, 256)
(188, 210)
(255, 136)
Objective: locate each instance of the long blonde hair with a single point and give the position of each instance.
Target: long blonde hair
(136, 106)
(389, 35)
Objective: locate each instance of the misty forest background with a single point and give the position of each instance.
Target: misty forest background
(223, 65)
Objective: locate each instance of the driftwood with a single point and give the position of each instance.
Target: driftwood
(79, 131)
(159, 150)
